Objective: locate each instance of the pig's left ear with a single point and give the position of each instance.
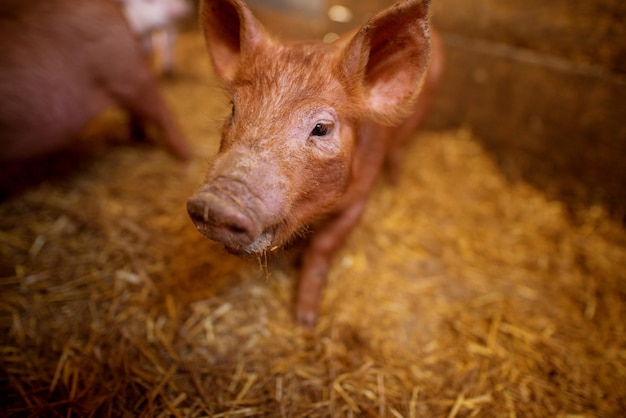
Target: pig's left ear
(388, 57)
(230, 31)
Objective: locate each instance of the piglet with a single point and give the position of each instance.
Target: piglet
(62, 62)
(156, 20)
(311, 127)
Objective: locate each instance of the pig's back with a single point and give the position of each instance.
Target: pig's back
(58, 62)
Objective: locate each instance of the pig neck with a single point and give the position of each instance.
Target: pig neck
(369, 155)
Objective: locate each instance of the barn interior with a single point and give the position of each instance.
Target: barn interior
(489, 282)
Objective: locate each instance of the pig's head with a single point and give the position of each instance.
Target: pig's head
(287, 150)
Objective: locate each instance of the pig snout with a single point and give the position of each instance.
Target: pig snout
(225, 212)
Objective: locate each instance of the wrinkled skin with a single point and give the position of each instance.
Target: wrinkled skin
(311, 127)
(63, 62)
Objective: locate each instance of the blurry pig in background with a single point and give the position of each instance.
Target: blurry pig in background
(62, 63)
(155, 24)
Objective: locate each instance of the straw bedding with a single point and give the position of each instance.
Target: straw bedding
(462, 293)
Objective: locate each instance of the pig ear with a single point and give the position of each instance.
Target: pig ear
(230, 31)
(388, 58)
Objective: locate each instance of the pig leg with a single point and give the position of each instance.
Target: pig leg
(331, 235)
(317, 258)
(145, 104)
(168, 45)
(147, 44)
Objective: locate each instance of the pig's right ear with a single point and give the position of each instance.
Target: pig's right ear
(230, 31)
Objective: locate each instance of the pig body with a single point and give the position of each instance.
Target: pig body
(312, 126)
(62, 62)
(154, 22)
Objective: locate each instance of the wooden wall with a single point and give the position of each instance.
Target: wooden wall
(543, 84)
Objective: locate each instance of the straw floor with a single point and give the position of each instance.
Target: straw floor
(462, 293)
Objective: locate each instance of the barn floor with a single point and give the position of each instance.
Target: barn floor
(462, 293)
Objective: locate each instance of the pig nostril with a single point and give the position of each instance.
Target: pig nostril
(237, 229)
(197, 211)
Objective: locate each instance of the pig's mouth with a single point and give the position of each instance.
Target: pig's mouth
(225, 212)
(260, 245)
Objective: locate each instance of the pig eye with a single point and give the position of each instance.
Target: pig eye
(232, 109)
(321, 129)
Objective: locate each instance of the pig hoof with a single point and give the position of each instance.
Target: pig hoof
(306, 318)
